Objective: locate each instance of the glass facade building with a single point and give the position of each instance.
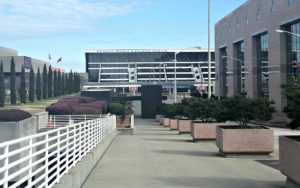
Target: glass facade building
(137, 66)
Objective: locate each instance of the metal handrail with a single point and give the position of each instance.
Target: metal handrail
(41, 160)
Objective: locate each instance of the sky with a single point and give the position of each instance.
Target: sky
(66, 28)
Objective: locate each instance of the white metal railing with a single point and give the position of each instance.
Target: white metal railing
(40, 160)
(55, 121)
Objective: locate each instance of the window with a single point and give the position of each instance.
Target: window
(273, 7)
(229, 29)
(262, 66)
(258, 14)
(239, 48)
(247, 20)
(291, 1)
(237, 27)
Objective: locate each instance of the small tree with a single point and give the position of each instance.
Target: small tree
(2, 86)
(22, 90)
(242, 109)
(38, 85)
(45, 82)
(116, 108)
(31, 85)
(293, 103)
(50, 86)
(13, 97)
(191, 108)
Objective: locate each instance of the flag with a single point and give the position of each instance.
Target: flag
(59, 60)
(49, 57)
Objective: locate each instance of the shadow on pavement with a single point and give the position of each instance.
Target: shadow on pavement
(190, 153)
(213, 182)
(170, 140)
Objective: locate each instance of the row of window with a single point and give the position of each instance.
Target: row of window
(258, 17)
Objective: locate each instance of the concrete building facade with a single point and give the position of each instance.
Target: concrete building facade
(251, 56)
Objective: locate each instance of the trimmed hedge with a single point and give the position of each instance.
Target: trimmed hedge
(13, 115)
(77, 105)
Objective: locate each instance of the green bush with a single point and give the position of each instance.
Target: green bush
(293, 103)
(242, 109)
(116, 108)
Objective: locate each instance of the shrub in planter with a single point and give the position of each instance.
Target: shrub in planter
(210, 114)
(245, 139)
(13, 115)
(59, 109)
(85, 109)
(116, 108)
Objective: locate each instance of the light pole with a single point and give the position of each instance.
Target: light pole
(209, 58)
(175, 76)
(241, 62)
(283, 31)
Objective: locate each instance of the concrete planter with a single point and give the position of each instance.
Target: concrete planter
(158, 117)
(123, 122)
(204, 131)
(173, 124)
(161, 120)
(184, 126)
(233, 140)
(167, 122)
(15, 130)
(289, 155)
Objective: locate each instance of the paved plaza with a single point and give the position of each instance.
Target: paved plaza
(156, 157)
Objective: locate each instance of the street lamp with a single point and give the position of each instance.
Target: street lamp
(284, 31)
(209, 58)
(240, 61)
(175, 76)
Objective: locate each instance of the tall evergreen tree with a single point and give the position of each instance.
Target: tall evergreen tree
(59, 84)
(50, 86)
(31, 85)
(38, 85)
(45, 82)
(2, 86)
(71, 82)
(62, 84)
(13, 97)
(67, 85)
(22, 89)
(54, 83)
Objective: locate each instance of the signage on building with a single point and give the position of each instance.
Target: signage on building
(27, 62)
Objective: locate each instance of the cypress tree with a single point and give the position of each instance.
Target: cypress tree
(71, 82)
(62, 84)
(31, 85)
(50, 94)
(67, 85)
(38, 85)
(58, 84)
(45, 82)
(22, 89)
(55, 83)
(13, 97)
(2, 87)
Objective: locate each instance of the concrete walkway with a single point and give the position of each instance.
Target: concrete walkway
(158, 158)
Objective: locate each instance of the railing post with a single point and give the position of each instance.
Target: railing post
(132, 121)
(67, 152)
(58, 156)
(70, 120)
(54, 122)
(29, 182)
(46, 159)
(5, 175)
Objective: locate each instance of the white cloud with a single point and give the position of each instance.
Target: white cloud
(21, 18)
